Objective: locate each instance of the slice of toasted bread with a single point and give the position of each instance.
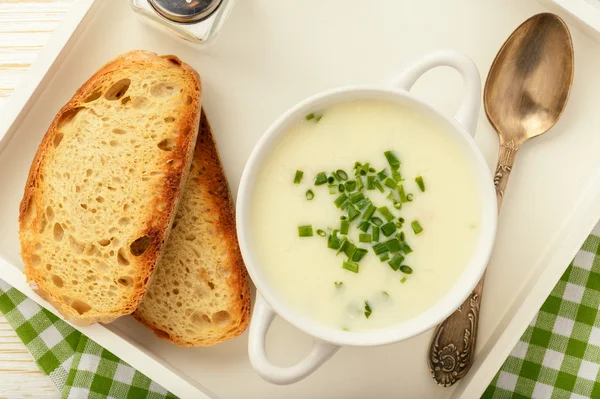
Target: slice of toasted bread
(200, 294)
(104, 185)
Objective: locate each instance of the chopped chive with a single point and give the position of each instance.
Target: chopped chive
(342, 174)
(401, 236)
(391, 196)
(375, 232)
(369, 212)
(344, 227)
(353, 213)
(359, 254)
(399, 225)
(305, 231)
(403, 280)
(378, 186)
(385, 294)
(376, 221)
(388, 229)
(331, 180)
(365, 237)
(393, 245)
(370, 182)
(396, 261)
(321, 179)
(381, 175)
(341, 187)
(356, 197)
(338, 284)
(321, 233)
(318, 118)
(310, 116)
(406, 248)
(333, 189)
(401, 219)
(310, 194)
(349, 249)
(367, 310)
(353, 267)
(372, 170)
(391, 158)
(333, 242)
(364, 226)
(384, 257)
(359, 183)
(390, 183)
(339, 201)
(343, 245)
(343, 217)
(363, 172)
(298, 176)
(410, 197)
(396, 175)
(420, 183)
(385, 212)
(363, 204)
(380, 248)
(397, 204)
(350, 185)
(406, 269)
(416, 226)
(401, 193)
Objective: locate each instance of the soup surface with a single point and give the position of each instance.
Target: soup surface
(419, 207)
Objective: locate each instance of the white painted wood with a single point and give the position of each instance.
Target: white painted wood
(25, 27)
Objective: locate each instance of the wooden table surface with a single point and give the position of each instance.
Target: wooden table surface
(25, 26)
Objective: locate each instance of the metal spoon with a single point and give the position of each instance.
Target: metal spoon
(525, 94)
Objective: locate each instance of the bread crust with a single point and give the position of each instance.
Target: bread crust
(214, 182)
(155, 227)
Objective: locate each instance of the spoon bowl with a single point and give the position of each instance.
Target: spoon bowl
(530, 79)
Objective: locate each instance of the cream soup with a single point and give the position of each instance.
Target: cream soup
(414, 260)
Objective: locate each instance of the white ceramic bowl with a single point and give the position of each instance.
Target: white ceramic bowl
(327, 340)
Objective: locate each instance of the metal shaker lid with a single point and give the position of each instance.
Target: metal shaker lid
(186, 11)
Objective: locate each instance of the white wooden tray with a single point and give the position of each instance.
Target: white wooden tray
(272, 54)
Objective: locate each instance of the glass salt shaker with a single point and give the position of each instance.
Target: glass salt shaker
(198, 21)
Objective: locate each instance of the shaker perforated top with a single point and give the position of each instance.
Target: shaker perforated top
(186, 11)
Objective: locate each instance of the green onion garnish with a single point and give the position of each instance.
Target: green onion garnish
(396, 175)
(385, 212)
(310, 116)
(376, 221)
(378, 186)
(333, 189)
(342, 174)
(350, 185)
(406, 248)
(359, 254)
(420, 183)
(384, 257)
(318, 118)
(353, 213)
(359, 183)
(416, 226)
(391, 158)
(399, 225)
(341, 187)
(410, 197)
(339, 201)
(344, 227)
(298, 176)
(375, 232)
(365, 237)
(406, 269)
(343, 245)
(403, 280)
(305, 231)
(401, 193)
(372, 170)
(356, 197)
(349, 249)
(367, 310)
(363, 204)
(369, 212)
(310, 194)
(388, 229)
(370, 182)
(331, 180)
(397, 204)
(338, 284)
(401, 236)
(321, 179)
(380, 248)
(381, 175)
(353, 267)
(364, 226)
(396, 261)
(390, 183)
(333, 242)
(393, 245)
(321, 233)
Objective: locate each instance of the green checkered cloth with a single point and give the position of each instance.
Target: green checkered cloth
(78, 367)
(558, 356)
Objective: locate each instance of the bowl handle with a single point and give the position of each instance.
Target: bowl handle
(469, 109)
(262, 317)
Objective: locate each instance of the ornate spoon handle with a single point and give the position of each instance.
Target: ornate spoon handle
(452, 348)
